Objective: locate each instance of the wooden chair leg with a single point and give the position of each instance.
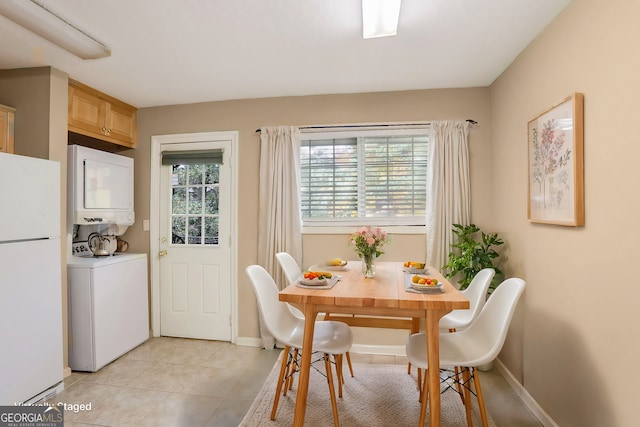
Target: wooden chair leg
(420, 381)
(349, 363)
(332, 392)
(466, 377)
(456, 371)
(283, 370)
(424, 398)
(339, 374)
(476, 384)
(288, 378)
(291, 373)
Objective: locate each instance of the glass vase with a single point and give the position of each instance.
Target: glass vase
(369, 265)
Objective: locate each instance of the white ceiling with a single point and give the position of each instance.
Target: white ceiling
(168, 52)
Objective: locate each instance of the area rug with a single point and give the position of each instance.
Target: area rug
(378, 395)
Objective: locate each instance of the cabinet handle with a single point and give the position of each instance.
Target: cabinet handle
(109, 130)
(104, 129)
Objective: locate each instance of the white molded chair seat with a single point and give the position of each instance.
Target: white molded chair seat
(478, 344)
(476, 293)
(330, 338)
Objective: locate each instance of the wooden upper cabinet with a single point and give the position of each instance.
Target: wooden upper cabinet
(97, 115)
(6, 129)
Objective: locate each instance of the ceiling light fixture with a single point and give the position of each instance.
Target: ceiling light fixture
(35, 18)
(380, 18)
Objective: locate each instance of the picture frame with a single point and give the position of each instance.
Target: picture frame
(556, 164)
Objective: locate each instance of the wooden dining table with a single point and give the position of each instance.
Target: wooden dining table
(383, 295)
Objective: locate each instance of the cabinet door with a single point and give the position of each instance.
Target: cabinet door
(86, 111)
(3, 131)
(99, 116)
(120, 124)
(6, 131)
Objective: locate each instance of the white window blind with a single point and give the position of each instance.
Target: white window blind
(364, 179)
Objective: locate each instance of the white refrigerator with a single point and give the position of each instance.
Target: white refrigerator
(31, 362)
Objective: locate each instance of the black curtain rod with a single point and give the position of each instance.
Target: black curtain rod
(471, 121)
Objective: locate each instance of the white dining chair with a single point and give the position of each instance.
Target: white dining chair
(330, 338)
(290, 267)
(476, 293)
(292, 272)
(478, 344)
(457, 320)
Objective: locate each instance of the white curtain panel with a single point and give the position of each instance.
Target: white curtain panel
(448, 187)
(279, 228)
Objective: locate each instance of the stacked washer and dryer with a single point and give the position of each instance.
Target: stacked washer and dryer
(108, 290)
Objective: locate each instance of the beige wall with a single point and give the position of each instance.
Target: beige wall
(246, 116)
(28, 91)
(574, 346)
(39, 96)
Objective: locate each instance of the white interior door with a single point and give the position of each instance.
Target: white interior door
(195, 247)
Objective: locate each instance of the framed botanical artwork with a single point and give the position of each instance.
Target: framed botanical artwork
(556, 166)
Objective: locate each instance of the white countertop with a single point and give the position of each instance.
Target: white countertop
(92, 262)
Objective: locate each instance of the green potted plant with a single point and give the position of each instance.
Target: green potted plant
(469, 255)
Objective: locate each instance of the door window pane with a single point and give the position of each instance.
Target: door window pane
(195, 200)
(211, 200)
(212, 174)
(211, 230)
(179, 175)
(195, 174)
(178, 230)
(195, 230)
(195, 204)
(179, 201)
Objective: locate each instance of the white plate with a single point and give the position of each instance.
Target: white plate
(324, 267)
(412, 270)
(426, 288)
(313, 282)
(341, 266)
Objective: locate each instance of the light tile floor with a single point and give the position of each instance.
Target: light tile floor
(190, 383)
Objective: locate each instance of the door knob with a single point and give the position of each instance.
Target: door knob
(163, 253)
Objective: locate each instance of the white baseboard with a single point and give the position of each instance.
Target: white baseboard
(528, 400)
(249, 342)
(43, 396)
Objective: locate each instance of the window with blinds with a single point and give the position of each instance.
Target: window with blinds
(364, 179)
